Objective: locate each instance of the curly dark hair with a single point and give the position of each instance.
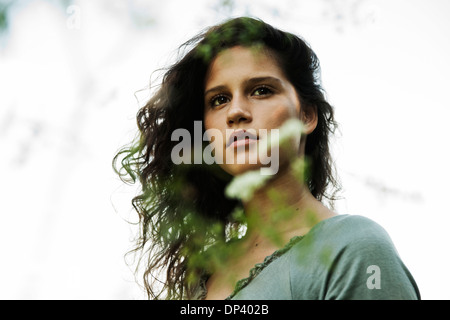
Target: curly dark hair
(182, 208)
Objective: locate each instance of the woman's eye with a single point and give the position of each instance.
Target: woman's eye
(261, 91)
(218, 100)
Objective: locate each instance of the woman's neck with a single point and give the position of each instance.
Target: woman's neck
(284, 207)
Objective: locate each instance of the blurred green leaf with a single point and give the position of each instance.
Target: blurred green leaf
(4, 7)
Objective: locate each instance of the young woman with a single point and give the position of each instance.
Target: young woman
(277, 239)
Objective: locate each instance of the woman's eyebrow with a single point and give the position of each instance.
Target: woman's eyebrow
(214, 89)
(256, 80)
(251, 81)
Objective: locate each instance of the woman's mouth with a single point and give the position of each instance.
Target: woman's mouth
(241, 138)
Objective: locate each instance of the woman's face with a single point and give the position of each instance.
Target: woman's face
(246, 92)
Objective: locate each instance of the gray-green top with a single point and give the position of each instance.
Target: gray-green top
(343, 257)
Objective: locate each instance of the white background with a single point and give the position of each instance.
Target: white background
(70, 75)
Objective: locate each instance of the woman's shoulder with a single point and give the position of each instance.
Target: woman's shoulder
(344, 237)
(342, 221)
(343, 254)
(348, 229)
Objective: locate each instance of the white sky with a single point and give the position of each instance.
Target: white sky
(68, 103)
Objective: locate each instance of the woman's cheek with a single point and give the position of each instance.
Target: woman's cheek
(278, 116)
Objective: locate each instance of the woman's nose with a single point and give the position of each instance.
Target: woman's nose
(238, 112)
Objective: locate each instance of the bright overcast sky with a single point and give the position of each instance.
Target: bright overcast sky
(70, 77)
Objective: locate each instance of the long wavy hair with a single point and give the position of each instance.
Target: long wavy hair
(182, 208)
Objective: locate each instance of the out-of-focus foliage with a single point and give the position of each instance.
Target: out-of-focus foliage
(243, 187)
(7, 6)
(4, 15)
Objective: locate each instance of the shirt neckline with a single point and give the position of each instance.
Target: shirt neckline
(259, 267)
(256, 270)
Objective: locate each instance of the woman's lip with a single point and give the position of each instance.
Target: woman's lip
(242, 142)
(240, 136)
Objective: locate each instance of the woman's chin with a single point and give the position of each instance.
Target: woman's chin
(238, 169)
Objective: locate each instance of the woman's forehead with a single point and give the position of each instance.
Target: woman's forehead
(240, 60)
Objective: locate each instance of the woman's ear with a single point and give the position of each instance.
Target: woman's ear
(309, 118)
